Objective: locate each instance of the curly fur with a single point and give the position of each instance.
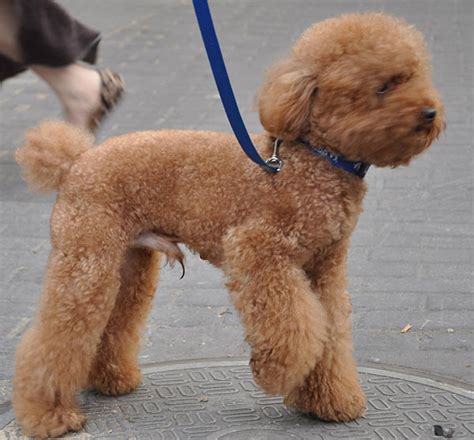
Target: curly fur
(49, 152)
(282, 240)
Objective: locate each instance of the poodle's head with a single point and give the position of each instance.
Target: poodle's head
(359, 84)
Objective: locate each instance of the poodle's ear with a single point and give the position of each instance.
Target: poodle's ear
(285, 99)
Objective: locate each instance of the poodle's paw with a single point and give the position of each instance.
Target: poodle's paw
(278, 374)
(116, 381)
(52, 423)
(337, 403)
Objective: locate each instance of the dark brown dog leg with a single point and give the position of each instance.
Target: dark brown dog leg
(332, 390)
(55, 355)
(284, 321)
(115, 370)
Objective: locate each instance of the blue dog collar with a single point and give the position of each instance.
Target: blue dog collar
(358, 168)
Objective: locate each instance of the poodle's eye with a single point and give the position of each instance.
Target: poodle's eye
(384, 88)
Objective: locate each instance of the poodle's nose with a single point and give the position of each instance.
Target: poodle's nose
(428, 114)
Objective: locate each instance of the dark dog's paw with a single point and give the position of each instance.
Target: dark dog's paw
(115, 381)
(52, 423)
(335, 402)
(278, 372)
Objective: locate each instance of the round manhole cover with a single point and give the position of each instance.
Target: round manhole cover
(218, 400)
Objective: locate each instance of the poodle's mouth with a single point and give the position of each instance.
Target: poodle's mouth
(429, 131)
(426, 128)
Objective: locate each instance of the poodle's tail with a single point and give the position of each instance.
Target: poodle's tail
(48, 153)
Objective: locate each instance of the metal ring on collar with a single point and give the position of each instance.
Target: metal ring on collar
(274, 161)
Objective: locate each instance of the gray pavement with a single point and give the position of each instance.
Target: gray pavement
(411, 260)
(218, 400)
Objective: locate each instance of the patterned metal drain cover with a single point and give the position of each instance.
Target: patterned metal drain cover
(218, 400)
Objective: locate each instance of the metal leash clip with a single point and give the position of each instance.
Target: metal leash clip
(275, 162)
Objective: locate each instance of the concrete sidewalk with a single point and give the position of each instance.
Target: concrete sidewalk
(411, 260)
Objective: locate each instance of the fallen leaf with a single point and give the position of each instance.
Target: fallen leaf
(406, 329)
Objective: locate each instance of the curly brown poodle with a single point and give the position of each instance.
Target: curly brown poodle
(357, 87)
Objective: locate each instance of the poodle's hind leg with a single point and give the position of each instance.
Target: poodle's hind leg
(285, 323)
(115, 369)
(332, 390)
(55, 355)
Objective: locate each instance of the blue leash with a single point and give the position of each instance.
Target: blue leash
(204, 18)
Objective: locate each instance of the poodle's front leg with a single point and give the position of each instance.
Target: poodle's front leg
(332, 390)
(55, 355)
(285, 323)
